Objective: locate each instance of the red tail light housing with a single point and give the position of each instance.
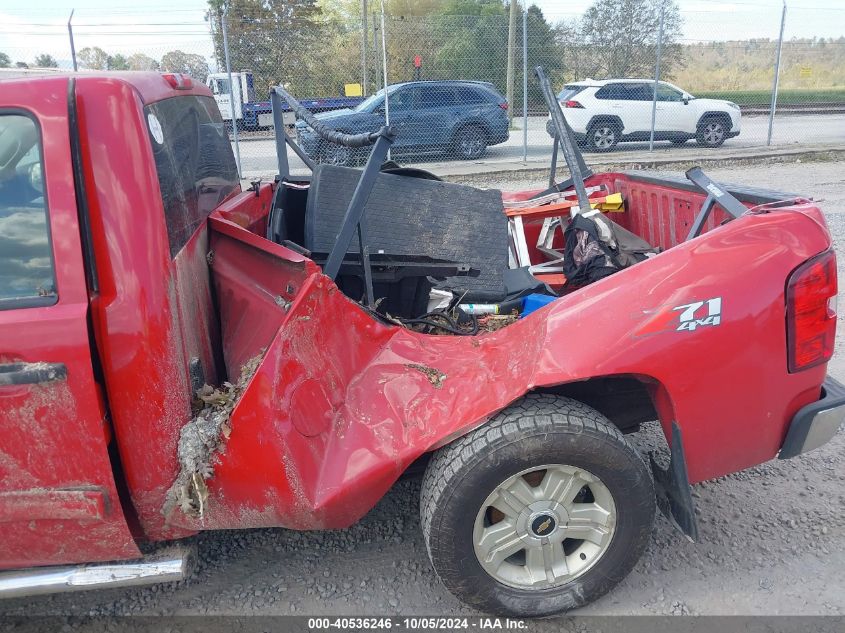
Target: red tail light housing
(811, 312)
(504, 105)
(178, 81)
(571, 104)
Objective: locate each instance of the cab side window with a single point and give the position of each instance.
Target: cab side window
(27, 277)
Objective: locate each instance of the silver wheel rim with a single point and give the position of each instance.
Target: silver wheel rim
(471, 144)
(544, 527)
(713, 133)
(604, 137)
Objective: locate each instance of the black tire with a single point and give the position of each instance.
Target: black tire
(537, 430)
(712, 132)
(603, 136)
(470, 142)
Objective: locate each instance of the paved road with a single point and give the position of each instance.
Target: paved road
(258, 157)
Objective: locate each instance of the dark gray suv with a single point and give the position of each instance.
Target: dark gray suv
(457, 118)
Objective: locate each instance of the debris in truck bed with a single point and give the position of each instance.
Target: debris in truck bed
(493, 322)
(201, 438)
(435, 376)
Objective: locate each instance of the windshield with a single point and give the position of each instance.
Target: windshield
(373, 101)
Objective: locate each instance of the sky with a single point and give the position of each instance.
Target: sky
(119, 26)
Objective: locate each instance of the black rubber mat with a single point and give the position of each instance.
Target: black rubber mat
(415, 216)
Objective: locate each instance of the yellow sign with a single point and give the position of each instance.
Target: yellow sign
(805, 71)
(353, 90)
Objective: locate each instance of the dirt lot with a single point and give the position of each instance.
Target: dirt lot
(772, 538)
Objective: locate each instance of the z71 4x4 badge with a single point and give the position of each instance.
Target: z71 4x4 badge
(684, 318)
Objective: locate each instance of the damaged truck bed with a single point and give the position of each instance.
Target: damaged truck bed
(178, 354)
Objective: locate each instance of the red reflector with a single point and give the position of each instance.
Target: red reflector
(811, 312)
(572, 104)
(178, 81)
(504, 106)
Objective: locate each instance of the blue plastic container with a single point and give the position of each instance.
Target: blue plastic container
(535, 302)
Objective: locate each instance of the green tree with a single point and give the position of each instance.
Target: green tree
(118, 62)
(139, 61)
(94, 58)
(5, 60)
(273, 38)
(188, 63)
(46, 61)
(619, 37)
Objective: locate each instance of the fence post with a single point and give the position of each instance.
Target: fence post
(72, 47)
(232, 112)
(364, 47)
(525, 85)
(375, 53)
(777, 76)
(656, 78)
(384, 62)
(511, 55)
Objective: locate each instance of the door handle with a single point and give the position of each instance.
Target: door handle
(31, 373)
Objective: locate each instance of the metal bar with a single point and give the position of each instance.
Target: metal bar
(171, 565)
(364, 47)
(355, 210)
(280, 135)
(72, 47)
(656, 78)
(375, 51)
(525, 85)
(514, 7)
(305, 158)
(776, 80)
(231, 93)
(384, 65)
(522, 256)
(365, 264)
(574, 160)
(720, 194)
(553, 170)
(701, 218)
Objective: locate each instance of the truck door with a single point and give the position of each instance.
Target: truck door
(58, 500)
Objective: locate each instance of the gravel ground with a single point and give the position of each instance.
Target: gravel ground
(772, 538)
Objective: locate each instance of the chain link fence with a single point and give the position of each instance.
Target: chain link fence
(461, 87)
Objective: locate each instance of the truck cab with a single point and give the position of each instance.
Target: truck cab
(243, 89)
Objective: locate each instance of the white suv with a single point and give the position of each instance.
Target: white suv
(604, 113)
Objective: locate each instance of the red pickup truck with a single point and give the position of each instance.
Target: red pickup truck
(135, 272)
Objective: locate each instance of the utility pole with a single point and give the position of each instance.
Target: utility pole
(511, 55)
(364, 46)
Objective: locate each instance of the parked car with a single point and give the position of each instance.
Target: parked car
(459, 118)
(610, 111)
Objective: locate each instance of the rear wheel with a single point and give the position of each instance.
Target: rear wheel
(711, 132)
(540, 511)
(603, 137)
(470, 143)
